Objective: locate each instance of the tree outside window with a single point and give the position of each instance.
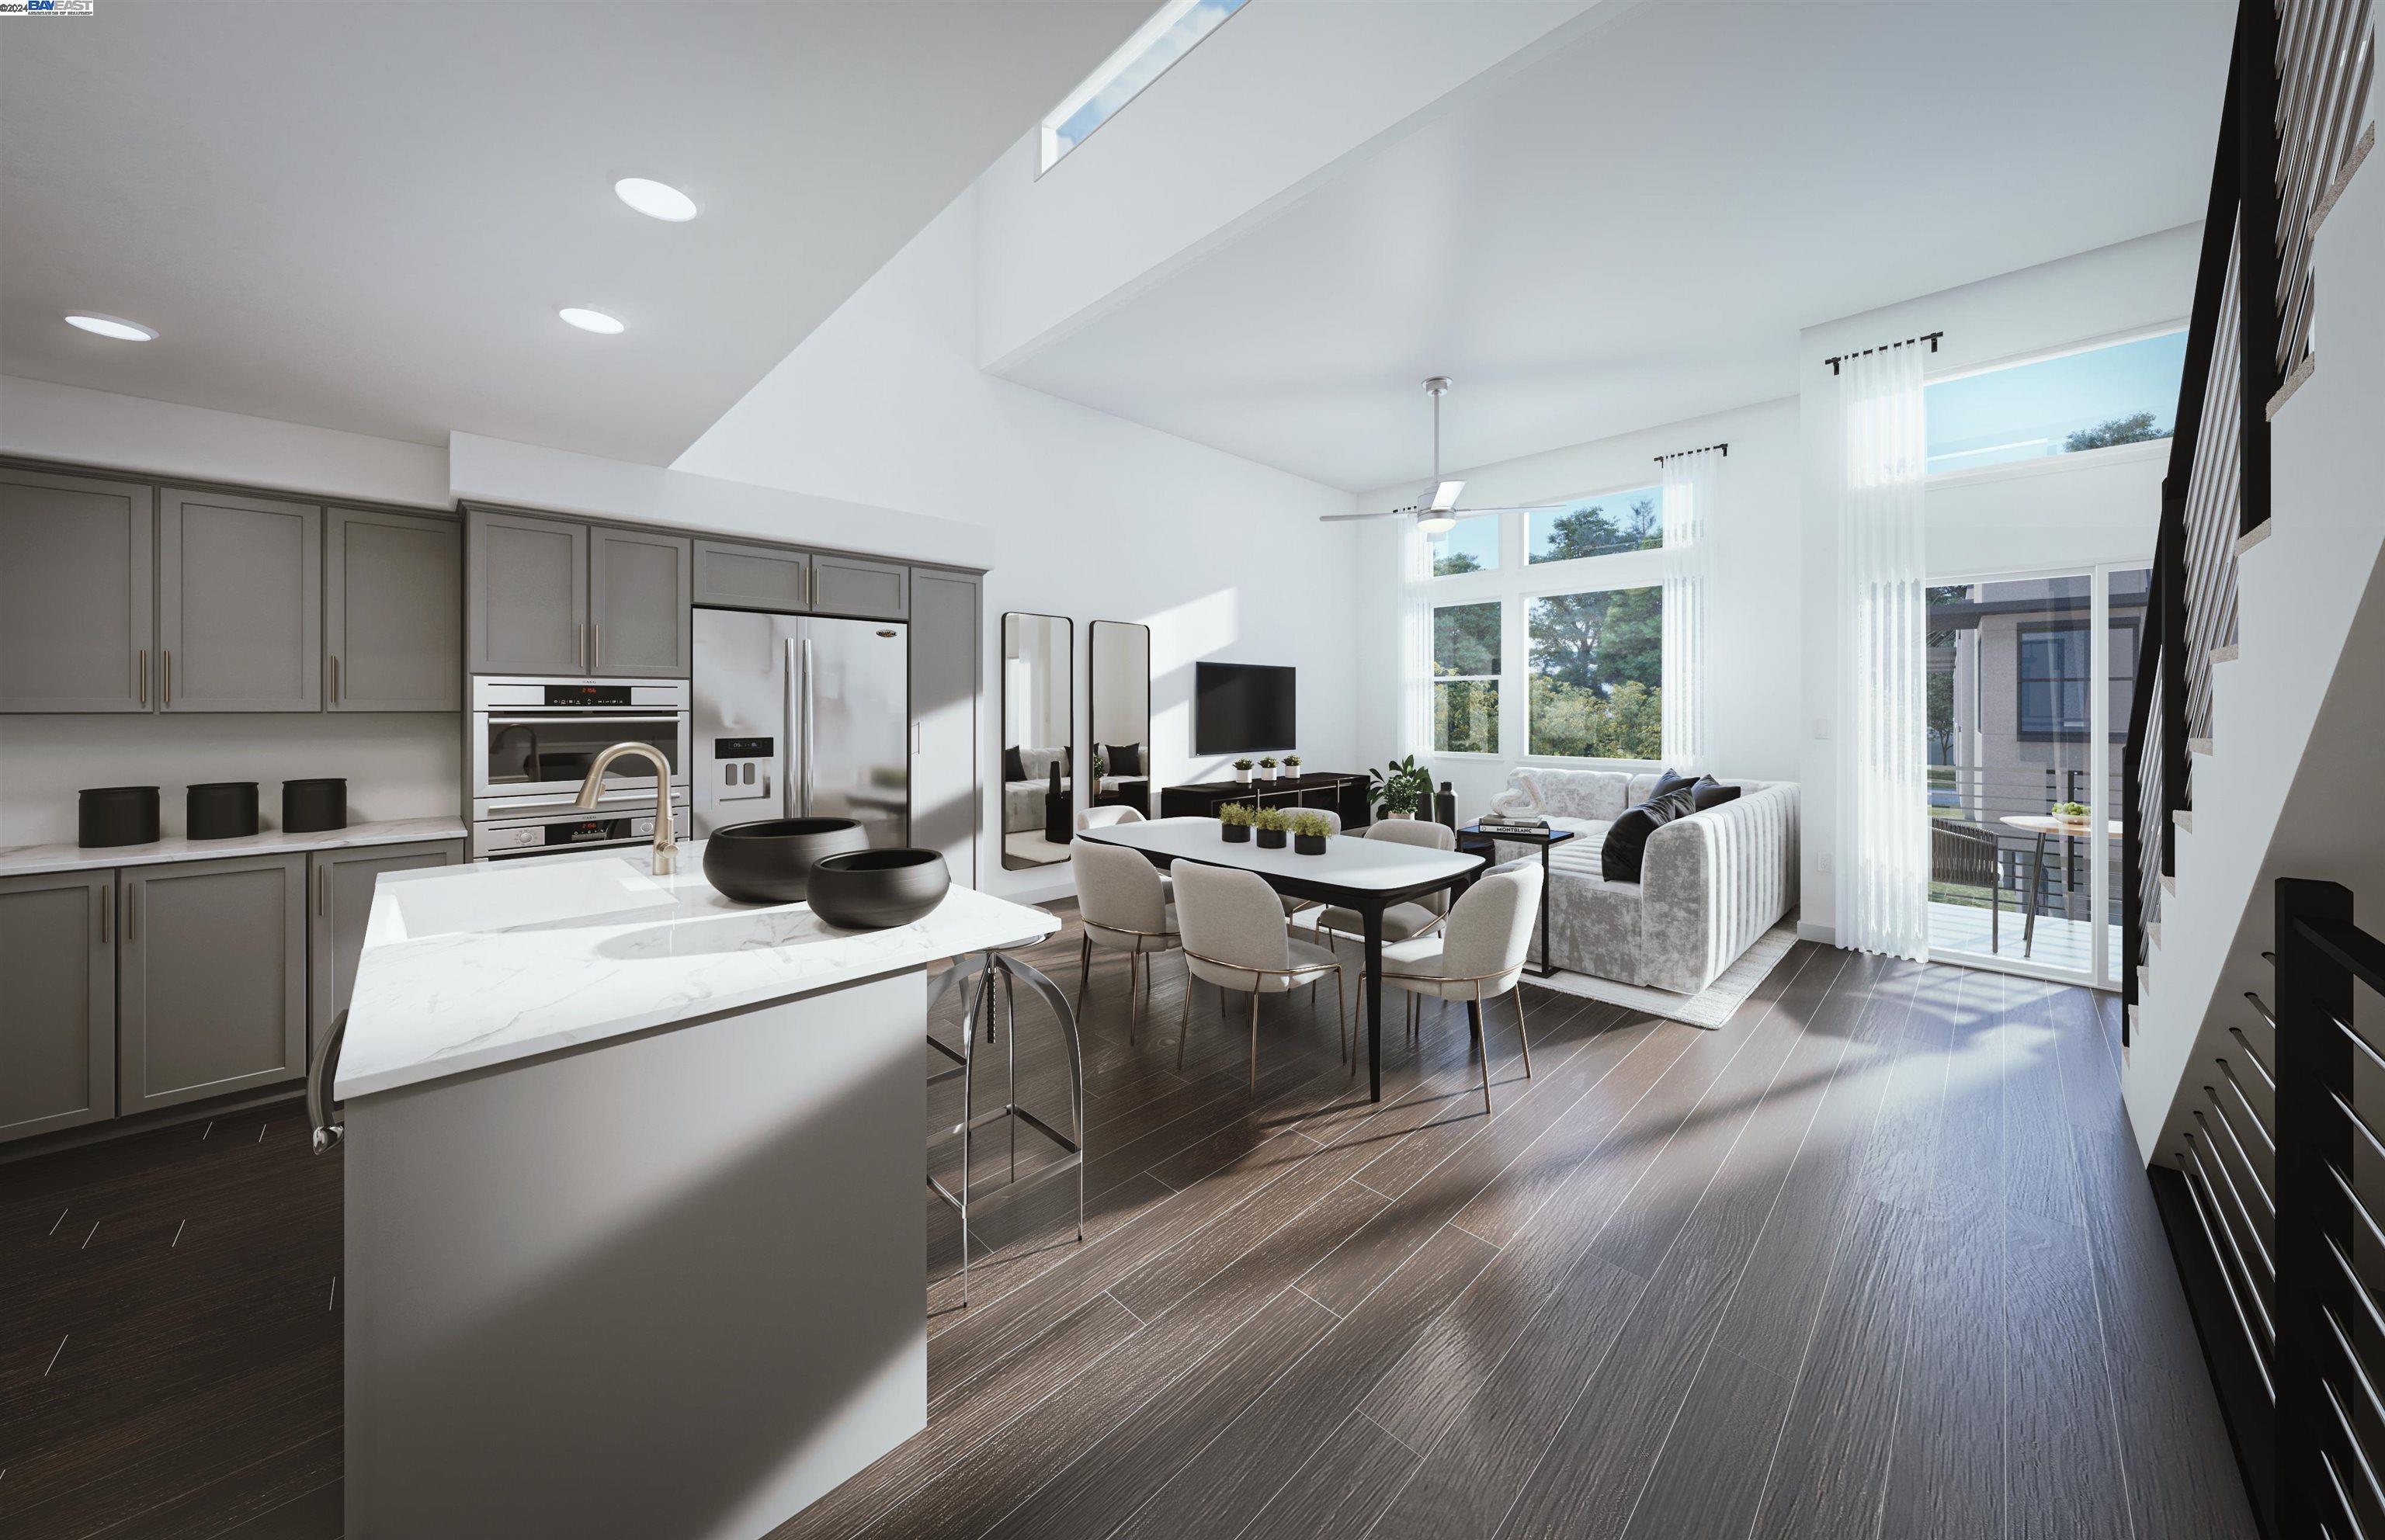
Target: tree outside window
(1598, 673)
(1466, 679)
(1599, 526)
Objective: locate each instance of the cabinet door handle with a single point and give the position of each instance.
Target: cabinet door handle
(596, 646)
(167, 696)
(141, 676)
(335, 677)
(131, 911)
(103, 906)
(322, 889)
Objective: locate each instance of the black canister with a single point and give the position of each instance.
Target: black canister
(222, 809)
(109, 815)
(310, 806)
(1444, 807)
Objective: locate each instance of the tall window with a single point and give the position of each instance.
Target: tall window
(1598, 673)
(1599, 526)
(1466, 679)
(2125, 393)
(1472, 546)
(1158, 43)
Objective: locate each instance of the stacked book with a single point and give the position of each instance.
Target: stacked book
(1510, 823)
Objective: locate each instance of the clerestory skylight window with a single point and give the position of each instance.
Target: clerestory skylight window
(1159, 43)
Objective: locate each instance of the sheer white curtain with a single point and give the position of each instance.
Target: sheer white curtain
(1883, 833)
(1416, 642)
(1689, 579)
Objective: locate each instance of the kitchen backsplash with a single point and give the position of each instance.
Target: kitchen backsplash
(397, 765)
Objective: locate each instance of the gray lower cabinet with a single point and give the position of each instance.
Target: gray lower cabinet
(211, 978)
(57, 1001)
(76, 594)
(340, 885)
(752, 577)
(240, 596)
(526, 606)
(640, 589)
(945, 670)
(872, 590)
(392, 612)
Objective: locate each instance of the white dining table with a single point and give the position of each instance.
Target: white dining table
(1364, 875)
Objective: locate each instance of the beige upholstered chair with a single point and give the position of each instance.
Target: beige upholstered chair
(1235, 937)
(1402, 922)
(1123, 901)
(1103, 817)
(1479, 956)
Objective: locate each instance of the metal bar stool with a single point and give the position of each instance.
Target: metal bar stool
(992, 996)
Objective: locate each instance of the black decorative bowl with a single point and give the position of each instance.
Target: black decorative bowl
(771, 862)
(876, 889)
(1271, 839)
(1237, 834)
(1308, 844)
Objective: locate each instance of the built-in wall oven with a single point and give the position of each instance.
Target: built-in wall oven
(532, 743)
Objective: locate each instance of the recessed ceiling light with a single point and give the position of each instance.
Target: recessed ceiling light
(590, 320)
(110, 325)
(660, 200)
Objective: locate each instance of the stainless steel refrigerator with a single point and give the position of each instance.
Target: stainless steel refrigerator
(798, 716)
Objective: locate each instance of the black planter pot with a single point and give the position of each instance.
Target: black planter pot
(771, 862)
(221, 810)
(876, 889)
(1308, 844)
(1236, 834)
(1271, 839)
(309, 806)
(109, 815)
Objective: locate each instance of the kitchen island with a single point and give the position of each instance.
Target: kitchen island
(633, 1183)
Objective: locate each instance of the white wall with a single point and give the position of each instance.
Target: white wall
(1755, 616)
(2065, 511)
(1091, 517)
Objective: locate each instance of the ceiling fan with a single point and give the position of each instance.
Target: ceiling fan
(1438, 513)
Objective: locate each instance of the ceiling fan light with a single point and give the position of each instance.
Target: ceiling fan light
(1436, 521)
(1445, 496)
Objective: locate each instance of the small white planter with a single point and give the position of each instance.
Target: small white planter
(1267, 772)
(1243, 777)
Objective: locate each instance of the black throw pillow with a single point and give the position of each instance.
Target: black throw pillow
(1667, 781)
(1627, 837)
(1710, 792)
(1013, 767)
(1126, 759)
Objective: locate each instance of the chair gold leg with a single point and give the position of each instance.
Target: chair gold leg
(1523, 1034)
(1254, 1045)
(1135, 998)
(1341, 1020)
(1481, 1045)
(1084, 973)
(1183, 1021)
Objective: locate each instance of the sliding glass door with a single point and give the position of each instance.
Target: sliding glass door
(2027, 707)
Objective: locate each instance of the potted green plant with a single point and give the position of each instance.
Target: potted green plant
(1273, 824)
(2072, 815)
(1291, 765)
(1399, 789)
(1101, 768)
(1309, 833)
(1242, 771)
(1267, 768)
(1235, 821)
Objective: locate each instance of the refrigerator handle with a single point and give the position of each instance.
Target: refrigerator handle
(805, 739)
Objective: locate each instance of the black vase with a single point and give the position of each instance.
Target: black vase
(311, 806)
(221, 810)
(771, 862)
(1271, 839)
(1236, 834)
(108, 815)
(876, 889)
(1444, 807)
(1308, 844)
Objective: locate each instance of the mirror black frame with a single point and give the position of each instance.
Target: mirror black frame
(1068, 674)
(1092, 707)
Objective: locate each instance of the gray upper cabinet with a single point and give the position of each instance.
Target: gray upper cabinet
(211, 978)
(57, 1013)
(945, 668)
(340, 903)
(392, 612)
(640, 587)
(752, 577)
(239, 595)
(872, 590)
(76, 595)
(526, 607)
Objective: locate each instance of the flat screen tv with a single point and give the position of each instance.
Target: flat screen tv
(1242, 708)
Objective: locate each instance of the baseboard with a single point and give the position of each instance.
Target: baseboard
(1814, 930)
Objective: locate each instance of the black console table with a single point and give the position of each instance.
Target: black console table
(1331, 791)
(1132, 791)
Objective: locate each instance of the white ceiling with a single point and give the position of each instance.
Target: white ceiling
(1632, 230)
(364, 215)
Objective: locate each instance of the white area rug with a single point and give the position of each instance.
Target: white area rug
(1710, 1007)
(1029, 845)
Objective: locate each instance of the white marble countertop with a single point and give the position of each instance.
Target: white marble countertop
(466, 967)
(19, 861)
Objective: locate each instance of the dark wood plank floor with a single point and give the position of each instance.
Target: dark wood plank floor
(1876, 1259)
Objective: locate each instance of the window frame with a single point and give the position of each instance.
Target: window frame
(1497, 678)
(2044, 463)
(1524, 518)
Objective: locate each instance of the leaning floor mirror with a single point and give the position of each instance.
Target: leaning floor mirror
(1039, 704)
(1118, 666)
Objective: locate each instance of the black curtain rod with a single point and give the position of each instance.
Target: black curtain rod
(1679, 453)
(1929, 337)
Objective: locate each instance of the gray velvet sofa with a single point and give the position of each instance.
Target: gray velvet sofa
(1709, 884)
